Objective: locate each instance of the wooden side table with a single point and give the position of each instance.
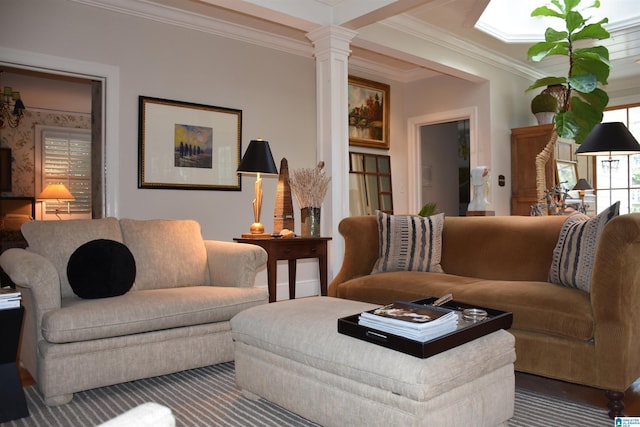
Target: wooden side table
(292, 249)
(12, 401)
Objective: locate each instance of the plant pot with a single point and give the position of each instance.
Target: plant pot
(545, 118)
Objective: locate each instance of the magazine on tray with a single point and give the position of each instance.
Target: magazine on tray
(409, 320)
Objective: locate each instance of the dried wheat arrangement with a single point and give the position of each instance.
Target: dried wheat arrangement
(309, 185)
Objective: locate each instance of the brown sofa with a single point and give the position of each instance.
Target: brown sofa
(503, 262)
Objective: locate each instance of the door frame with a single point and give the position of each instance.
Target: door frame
(414, 124)
(109, 75)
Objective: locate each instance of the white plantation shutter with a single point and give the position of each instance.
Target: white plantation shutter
(66, 158)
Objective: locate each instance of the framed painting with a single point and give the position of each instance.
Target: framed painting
(368, 113)
(5, 169)
(188, 146)
(566, 174)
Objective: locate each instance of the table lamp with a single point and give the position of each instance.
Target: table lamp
(257, 160)
(606, 139)
(57, 192)
(581, 186)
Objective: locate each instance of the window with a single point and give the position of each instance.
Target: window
(65, 157)
(618, 177)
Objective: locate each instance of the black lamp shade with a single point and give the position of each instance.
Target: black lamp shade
(258, 158)
(609, 138)
(582, 184)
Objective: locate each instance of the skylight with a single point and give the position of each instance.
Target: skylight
(511, 21)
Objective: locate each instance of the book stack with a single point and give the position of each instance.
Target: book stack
(413, 321)
(9, 298)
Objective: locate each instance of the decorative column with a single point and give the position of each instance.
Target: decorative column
(331, 50)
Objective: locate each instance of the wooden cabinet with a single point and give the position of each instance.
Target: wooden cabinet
(526, 143)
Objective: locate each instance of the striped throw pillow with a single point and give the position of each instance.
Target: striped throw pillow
(575, 251)
(409, 243)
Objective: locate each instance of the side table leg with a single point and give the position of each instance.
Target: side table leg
(322, 263)
(292, 279)
(272, 272)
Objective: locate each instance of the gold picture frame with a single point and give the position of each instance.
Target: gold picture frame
(368, 113)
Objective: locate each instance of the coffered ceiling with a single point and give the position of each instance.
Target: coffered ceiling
(283, 24)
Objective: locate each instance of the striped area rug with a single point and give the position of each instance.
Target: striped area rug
(209, 397)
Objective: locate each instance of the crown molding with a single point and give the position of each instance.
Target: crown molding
(390, 72)
(419, 29)
(403, 23)
(198, 22)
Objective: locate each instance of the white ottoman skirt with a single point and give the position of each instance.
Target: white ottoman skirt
(291, 354)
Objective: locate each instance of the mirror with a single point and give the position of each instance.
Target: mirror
(369, 184)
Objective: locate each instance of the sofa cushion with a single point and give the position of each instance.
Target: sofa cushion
(168, 253)
(101, 268)
(57, 240)
(144, 311)
(575, 251)
(409, 243)
(540, 307)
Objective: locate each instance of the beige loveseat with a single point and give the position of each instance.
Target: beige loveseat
(503, 262)
(175, 317)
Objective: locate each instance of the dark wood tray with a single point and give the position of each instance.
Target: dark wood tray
(466, 331)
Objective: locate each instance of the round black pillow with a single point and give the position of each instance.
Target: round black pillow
(101, 268)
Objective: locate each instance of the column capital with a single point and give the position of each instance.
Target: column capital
(332, 38)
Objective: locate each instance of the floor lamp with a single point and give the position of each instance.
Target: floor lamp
(607, 139)
(257, 160)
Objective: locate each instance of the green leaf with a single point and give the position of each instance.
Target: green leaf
(591, 65)
(541, 50)
(598, 98)
(546, 11)
(566, 125)
(552, 35)
(584, 82)
(592, 31)
(574, 21)
(586, 116)
(600, 51)
(547, 81)
(571, 4)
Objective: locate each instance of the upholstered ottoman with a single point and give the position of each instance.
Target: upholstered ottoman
(291, 354)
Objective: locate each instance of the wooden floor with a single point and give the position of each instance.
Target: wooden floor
(578, 393)
(538, 384)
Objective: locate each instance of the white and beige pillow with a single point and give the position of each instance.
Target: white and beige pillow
(575, 251)
(409, 243)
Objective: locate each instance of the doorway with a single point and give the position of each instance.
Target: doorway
(105, 97)
(445, 166)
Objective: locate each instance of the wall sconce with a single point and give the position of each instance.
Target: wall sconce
(257, 160)
(11, 108)
(57, 192)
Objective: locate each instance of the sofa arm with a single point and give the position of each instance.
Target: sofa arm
(32, 272)
(360, 249)
(615, 298)
(39, 283)
(234, 264)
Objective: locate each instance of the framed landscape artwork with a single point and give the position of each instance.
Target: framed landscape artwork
(368, 113)
(567, 174)
(188, 146)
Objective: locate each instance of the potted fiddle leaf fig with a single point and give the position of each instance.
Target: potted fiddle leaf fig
(588, 68)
